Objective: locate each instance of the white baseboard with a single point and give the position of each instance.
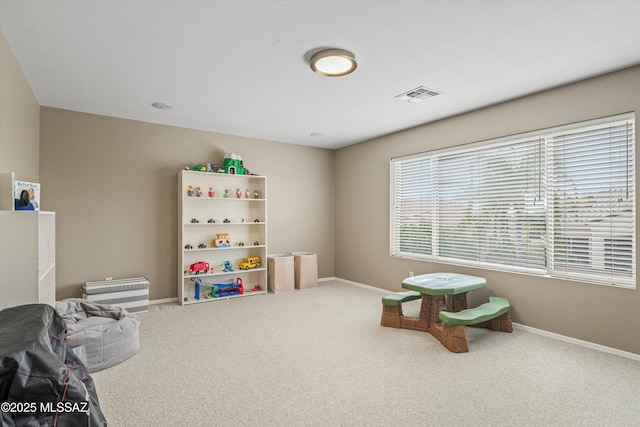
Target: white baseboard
(582, 343)
(360, 285)
(163, 301)
(553, 335)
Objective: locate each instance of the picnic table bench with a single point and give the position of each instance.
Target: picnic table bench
(444, 310)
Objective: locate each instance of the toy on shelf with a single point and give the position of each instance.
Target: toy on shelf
(251, 262)
(222, 240)
(226, 221)
(211, 221)
(189, 191)
(240, 244)
(238, 193)
(227, 267)
(218, 289)
(256, 194)
(188, 246)
(194, 221)
(256, 243)
(211, 193)
(198, 192)
(199, 267)
(226, 194)
(247, 193)
(233, 165)
(196, 288)
(256, 220)
(225, 290)
(202, 246)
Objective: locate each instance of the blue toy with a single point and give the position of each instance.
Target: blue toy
(219, 289)
(227, 266)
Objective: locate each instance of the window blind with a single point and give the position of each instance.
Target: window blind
(592, 205)
(491, 207)
(412, 222)
(558, 202)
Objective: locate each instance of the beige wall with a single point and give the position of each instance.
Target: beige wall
(113, 186)
(600, 314)
(19, 120)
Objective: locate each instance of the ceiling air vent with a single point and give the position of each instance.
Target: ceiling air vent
(418, 94)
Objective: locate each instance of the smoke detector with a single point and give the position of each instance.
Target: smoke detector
(418, 94)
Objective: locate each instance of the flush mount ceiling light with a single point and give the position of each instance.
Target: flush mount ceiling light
(333, 62)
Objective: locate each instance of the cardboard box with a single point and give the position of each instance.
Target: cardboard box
(281, 273)
(306, 266)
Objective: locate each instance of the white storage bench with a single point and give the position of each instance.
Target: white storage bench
(131, 294)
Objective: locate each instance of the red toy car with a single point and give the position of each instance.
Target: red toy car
(199, 267)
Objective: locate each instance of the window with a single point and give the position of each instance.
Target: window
(559, 202)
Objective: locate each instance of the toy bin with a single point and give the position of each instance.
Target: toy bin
(306, 269)
(281, 277)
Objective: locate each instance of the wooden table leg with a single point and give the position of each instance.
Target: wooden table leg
(454, 338)
(430, 308)
(457, 302)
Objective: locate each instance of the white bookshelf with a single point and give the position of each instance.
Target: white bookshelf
(27, 258)
(243, 219)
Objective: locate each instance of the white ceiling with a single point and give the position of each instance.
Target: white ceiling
(240, 67)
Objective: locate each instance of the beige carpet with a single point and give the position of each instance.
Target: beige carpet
(319, 357)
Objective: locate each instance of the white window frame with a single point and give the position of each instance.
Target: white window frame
(598, 267)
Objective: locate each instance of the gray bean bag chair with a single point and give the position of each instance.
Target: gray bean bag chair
(39, 371)
(100, 335)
